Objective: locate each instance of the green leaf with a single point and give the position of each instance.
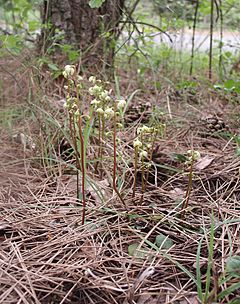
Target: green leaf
(229, 290)
(230, 84)
(163, 242)
(238, 151)
(179, 157)
(233, 266)
(96, 3)
(33, 26)
(235, 301)
(133, 251)
(53, 67)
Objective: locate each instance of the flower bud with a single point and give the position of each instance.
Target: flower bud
(104, 94)
(143, 154)
(95, 102)
(121, 104)
(92, 79)
(193, 155)
(137, 143)
(109, 112)
(100, 111)
(69, 71)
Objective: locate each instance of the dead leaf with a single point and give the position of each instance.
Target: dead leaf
(177, 193)
(96, 191)
(203, 162)
(4, 226)
(90, 249)
(25, 140)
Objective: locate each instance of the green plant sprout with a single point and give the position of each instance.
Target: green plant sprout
(192, 157)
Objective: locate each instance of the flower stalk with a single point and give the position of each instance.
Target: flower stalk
(193, 156)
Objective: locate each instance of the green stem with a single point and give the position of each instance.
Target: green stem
(102, 141)
(115, 158)
(74, 140)
(143, 180)
(135, 170)
(188, 192)
(99, 142)
(154, 137)
(82, 167)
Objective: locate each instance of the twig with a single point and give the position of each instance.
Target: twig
(151, 25)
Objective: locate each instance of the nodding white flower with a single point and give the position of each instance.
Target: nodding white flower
(66, 87)
(100, 111)
(95, 102)
(137, 143)
(96, 90)
(193, 155)
(79, 78)
(146, 129)
(92, 79)
(90, 90)
(108, 99)
(104, 94)
(121, 104)
(69, 71)
(143, 154)
(109, 112)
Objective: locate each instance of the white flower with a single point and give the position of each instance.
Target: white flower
(96, 90)
(109, 112)
(121, 104)
(95, 102)
(79, 78)
(104, 94)
(108, 99)
(69, 71)
(92, 79)
(143, 154)
(193, 155)
(146, 129)
(100, 111)
(137, 143)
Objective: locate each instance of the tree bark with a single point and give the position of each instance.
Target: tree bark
(92, 31)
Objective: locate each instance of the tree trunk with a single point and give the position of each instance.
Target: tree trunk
(92, 31)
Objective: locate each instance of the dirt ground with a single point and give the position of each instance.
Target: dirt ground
(47, 256)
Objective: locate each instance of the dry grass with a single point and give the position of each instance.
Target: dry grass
(47, 256)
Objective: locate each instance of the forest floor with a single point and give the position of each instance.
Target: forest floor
(148, 254)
